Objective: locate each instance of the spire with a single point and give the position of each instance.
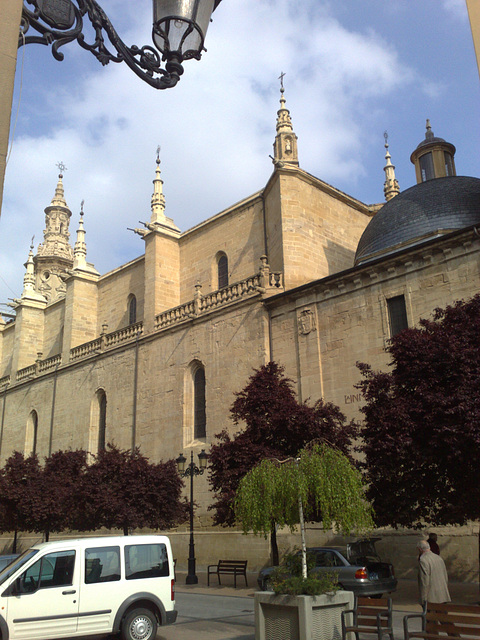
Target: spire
(29, 291)
(158, 219)
(285, 146)
(391, 188)
(58, 199)
(158, 199)
(80, 248)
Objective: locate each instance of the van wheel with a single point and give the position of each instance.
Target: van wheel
(139, 624)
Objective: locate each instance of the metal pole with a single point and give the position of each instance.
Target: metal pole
(191, 577)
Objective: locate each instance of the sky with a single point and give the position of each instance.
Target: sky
(354, 69)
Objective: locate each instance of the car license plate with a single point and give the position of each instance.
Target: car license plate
(373, 576)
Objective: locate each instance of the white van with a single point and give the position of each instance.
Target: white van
(90, 586)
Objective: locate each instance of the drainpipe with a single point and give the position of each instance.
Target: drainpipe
(52, 415)
(135, 384)
(3, 420)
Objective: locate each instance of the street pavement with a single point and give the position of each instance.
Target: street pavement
(221, 612)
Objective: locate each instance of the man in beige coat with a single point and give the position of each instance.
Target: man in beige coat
(432, 575)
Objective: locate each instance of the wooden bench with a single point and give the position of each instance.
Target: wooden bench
(228, 567)
(372, 616)
(445, 622)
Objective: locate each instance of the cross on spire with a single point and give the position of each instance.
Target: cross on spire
(280, 77)
(61, 167)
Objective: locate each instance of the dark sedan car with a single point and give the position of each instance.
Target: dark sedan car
(358, 567)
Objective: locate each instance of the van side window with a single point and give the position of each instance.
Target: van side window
(146, 561)
(102, 564)
(53, 570)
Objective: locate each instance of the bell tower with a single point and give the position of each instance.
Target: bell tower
(54, 255)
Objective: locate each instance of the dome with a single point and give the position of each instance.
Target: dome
(425, 211)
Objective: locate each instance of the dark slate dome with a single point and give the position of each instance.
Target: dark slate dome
(425, 211)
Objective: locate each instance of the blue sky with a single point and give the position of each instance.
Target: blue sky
(353, 70)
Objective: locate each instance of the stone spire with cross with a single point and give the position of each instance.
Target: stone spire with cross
(285, 152)
(390, 188)
(158, 218)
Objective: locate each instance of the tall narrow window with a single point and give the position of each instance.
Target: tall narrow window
(132, 310)
(31, 434)
(222, 266)
(200, 416)
(448, 164)
(426, 167)
(397, 314)
(102, 420)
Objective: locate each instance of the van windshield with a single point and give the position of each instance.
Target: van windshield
(16, 564)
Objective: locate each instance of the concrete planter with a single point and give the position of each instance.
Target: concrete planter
(285, 617)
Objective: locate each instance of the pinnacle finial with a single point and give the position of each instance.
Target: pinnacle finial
(391, 187)
(158, 199)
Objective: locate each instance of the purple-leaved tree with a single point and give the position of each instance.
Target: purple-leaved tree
(421, 437)
(275, 425)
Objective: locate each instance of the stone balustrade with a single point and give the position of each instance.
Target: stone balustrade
(86, 349)
(27, 372)
(5, 381)
(259, 283)
(175, 315)
(123, 335)
(49, 363)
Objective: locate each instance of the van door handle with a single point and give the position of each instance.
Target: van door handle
(68, 593)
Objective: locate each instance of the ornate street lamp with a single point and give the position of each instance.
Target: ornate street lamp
(191, 470)
(179, 29)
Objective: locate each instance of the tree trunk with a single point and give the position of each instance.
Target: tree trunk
(14, 550)
(125, 530)
(274, 545)
(47, 535)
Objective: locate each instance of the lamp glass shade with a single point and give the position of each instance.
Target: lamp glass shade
(202, 459)
(180, 26)
(181, 463)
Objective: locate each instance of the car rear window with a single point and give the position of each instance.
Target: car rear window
(102, 564)
(146, 561)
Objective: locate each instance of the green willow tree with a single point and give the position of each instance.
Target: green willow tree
(320, 484)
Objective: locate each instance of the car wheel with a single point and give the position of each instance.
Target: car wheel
(139, 624)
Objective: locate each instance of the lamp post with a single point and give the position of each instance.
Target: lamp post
(191, 470)
(179, 30)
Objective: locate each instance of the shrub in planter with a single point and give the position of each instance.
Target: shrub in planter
(288, 579)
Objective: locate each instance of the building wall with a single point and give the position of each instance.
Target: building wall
(238, 233)
(349, 317)
(313, 229)
(114, 291)
(54, 319)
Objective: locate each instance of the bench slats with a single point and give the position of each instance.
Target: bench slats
(370, 617)
(447, 622)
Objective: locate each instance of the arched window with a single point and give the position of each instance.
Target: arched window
(132, 310)
(31, 434)
(199, 404)
(222, 268)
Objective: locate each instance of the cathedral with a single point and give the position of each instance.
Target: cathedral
(151, 353)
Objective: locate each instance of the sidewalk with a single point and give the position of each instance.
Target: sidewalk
(405, 598)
